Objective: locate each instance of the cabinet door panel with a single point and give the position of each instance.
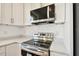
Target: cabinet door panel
(60, 12)
(2, 51)
(27, 8)
(13, 50)
(18, 13)
(35, 6)
(6, 13)
(0, 14)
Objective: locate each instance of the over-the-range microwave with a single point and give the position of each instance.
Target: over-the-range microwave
(43, 14)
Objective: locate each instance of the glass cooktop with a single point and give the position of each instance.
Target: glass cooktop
(38, 44)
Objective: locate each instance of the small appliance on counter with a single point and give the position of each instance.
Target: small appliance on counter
(39, 45)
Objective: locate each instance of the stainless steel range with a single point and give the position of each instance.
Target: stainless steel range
(38, 46)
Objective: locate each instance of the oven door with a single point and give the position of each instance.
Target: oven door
(33, 51)
(26, 53)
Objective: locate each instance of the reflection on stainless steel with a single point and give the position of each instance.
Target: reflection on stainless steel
(40, 44)
(40, 48)
(36, 48)
(43, 37)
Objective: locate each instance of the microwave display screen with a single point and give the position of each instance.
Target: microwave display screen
(40, 13)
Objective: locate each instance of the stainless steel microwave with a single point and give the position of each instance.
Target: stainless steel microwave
(43, 14)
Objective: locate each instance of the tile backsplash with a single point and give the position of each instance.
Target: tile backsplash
(8, 31)
(58, 30)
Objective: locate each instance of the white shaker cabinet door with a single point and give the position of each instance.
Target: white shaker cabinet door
(17, 13)
(35, 6)
(0, 14)
(60, 11)
(2, 51)
(6, 13)
(27, 17)
(13, 50)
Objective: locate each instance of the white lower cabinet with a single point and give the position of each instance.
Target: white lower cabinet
(52, 53)
(56, 54)
(2, 54)
(2, 51)
(13, 50)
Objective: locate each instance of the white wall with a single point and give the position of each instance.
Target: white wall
(57, 29)
(68, 27)
(51, 28)
(9, 31)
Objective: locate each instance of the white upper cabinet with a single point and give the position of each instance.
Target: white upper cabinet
(27, 9)
(45, 4)
(35, 6)
(60, 11)
(0, 14)
(6, 13)
(17, 14)
(12, 13)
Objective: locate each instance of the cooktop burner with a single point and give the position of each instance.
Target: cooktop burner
(38, 44)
